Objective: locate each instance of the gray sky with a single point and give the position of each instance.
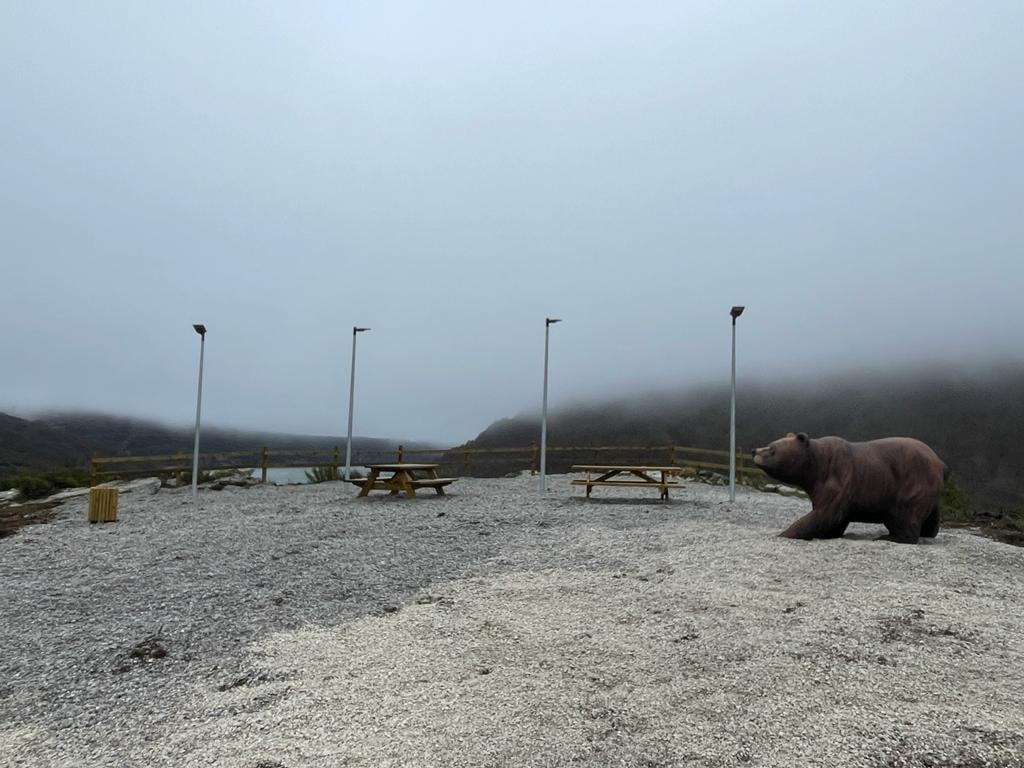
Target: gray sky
(450, 173)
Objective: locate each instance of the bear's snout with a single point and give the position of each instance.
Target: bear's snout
(760, 454)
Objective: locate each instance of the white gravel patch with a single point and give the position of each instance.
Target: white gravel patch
(279, 627)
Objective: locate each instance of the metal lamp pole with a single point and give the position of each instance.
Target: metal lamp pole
(548, 322)
(734, 313)
(201, 330)
(351, 400)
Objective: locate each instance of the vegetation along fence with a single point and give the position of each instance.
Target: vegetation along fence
(464, 461)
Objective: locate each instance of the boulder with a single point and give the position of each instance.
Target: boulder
(70, 493)
(9, 497)
(237, 481)
(148, 485)
(782, 490)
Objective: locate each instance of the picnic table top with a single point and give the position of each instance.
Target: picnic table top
(400, 466)
(624, 468)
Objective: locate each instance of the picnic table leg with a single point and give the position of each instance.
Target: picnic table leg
(432, 474)
(368, 484)
(404, 478)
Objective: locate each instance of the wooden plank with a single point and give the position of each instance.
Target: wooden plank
(703, 451)
(136, 459)
(172, 457)
(622, 468)
(403, 467)
(306, 452)
(621, 448)
(633, 483)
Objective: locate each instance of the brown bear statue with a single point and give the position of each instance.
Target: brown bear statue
(895, 481)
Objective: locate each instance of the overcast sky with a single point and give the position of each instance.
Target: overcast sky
(449, 173)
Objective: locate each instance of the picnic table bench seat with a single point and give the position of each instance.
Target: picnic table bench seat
(432, 482)
(641, 483)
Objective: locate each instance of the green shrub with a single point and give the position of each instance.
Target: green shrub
(1014, 520)
(68, 478)
(954, 504)
(31, 486)
(35, 486)
(325, 473)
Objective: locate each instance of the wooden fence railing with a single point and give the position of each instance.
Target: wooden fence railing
(487, 461)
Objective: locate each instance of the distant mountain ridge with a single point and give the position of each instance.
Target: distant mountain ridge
(26, 444)
(974, 421)
(69, 438)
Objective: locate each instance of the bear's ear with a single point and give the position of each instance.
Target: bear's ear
(790, 434)
(802, 437)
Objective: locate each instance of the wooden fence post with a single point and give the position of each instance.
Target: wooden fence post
(263, 465)
(534, 458)
(335, 458)
(92, 472)
(401, 453)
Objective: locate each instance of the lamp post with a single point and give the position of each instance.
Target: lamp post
(548, 322)
(201, 330)
(734, 313)
(351, 399)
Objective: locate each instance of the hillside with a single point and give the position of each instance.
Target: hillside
(27, 444)
(68, 439)
(108, 435)
(974, 421)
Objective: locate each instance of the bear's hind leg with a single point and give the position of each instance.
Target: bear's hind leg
(837, 530)
(904, 524)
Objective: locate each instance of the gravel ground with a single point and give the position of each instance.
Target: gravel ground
(280, 627)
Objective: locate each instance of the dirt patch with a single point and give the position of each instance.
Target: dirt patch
(1006, 532)
(13, 518)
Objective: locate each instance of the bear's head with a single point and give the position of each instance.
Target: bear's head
(787, 459)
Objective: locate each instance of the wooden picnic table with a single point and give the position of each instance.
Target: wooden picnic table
(402, 478)
(631, 477)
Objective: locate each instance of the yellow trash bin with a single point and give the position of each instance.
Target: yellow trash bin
(102, 505)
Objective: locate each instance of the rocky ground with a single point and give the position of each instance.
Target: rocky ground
(277, 627)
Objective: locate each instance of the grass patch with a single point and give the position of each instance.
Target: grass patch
(956, 512)
(327, 473)
(37, 485)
